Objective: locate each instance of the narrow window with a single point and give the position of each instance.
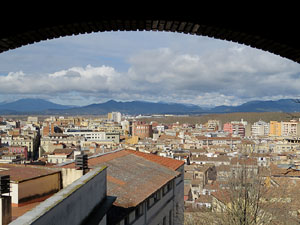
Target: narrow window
(170, 217)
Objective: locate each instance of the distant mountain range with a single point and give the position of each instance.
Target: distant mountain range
(40, 106)
(30, 105)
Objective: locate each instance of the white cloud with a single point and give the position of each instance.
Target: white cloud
(244, 73)
(227, 76)
(88, 79)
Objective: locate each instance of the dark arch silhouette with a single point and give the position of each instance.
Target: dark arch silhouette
(275, 34)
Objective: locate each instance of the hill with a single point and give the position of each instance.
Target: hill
(136, 108)
(282, 105)
(43, 107)
(29, 105)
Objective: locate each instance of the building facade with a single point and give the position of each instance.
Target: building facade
(275, 128)
(149, 189)
(142, 130)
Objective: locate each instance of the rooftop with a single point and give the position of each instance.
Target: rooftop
(167, 162)
(19, 173)
(63, 151)
(133, 176)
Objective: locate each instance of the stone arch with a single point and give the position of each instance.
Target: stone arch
(279, 39)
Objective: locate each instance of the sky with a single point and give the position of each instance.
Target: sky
(147, 66)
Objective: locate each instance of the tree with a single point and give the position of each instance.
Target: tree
(251, 198)
(245, 189)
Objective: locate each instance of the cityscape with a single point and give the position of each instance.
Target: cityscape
(149, 119)
(192, 165)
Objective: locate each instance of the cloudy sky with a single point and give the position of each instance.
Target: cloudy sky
(149, 66)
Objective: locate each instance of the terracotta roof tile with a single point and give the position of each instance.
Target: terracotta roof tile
(204, 199)
(132, 179)
(103, 158)
(167, 162)
(222, 195)
(132, 176)
(63, 151)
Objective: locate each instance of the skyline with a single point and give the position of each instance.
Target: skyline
(147, 66)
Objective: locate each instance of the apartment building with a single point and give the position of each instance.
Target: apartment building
(260, 128)
(291, 128)
(115, 117)
(61, 155)
(275, 128)
(149, 189)
(142, 129)
(228, 127)
(49, 143)
(213, 125)
(26, 141)
(208, 141)
(48, 129)
(217, 161)
(19, 150)
(94, 135)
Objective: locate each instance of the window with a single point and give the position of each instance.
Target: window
(170, 217)
(153, 199)
(139, 211)
(126, 220)
(164, 221)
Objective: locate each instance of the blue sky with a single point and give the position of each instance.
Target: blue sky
(149, 66)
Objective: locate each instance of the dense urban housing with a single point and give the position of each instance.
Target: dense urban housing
(149, 172)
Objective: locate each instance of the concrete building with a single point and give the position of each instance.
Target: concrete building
(275, 128)
(260, 128)
(50, 143)
(48, 129)
(85, 201)
(217, 161)
(30, 142)
(115, 117)
(149, 189)
(228, 127)
(94, 135)
(208, 141)
(30, 183)
(213, 125)
(19, 150)
(291, 128)
(61, 155)
(32, 119)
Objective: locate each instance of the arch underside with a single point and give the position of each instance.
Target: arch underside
(268, 37)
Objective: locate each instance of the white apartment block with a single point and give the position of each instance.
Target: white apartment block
(91, 135)
(291, 128)
(260, 128)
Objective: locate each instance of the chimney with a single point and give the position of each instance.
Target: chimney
(81, 162)
(5, 200)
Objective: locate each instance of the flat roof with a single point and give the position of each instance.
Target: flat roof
(19, 173)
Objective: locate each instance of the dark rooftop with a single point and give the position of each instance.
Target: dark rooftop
(133, 176)
(19, 173)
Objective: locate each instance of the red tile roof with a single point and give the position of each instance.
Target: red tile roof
(167, 162)
(222, 195)
(101, 159)
(133, 176)
(244, 161)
